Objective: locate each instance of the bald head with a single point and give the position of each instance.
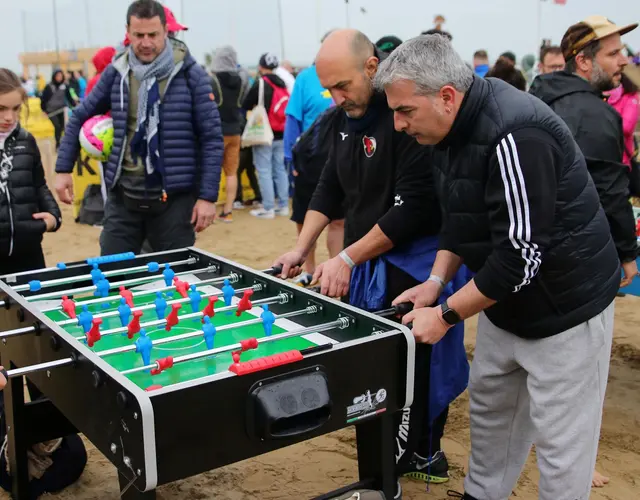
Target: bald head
(346, 65)
(349, 45)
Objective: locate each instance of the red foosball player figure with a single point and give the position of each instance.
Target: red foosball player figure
(182, 287)
(245, 302)
(209, 308)
(127, 295)
(134, 325)
(93, 335)
(172, 319)
(69, 306)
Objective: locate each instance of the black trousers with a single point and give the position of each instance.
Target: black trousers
(125, 230)
(58, 126)
(414, 434)
(21, 261)
(246, 164)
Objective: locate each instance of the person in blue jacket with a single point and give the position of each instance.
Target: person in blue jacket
(163, 172)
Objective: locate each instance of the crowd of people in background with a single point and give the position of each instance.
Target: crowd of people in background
(163, 181)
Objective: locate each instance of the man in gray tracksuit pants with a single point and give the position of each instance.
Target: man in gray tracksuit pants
(522, 213)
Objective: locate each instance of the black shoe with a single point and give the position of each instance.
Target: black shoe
(621, 294)
(434, 470)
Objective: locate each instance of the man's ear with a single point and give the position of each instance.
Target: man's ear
(371, 66)
(584, 64)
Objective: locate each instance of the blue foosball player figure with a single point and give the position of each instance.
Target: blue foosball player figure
(227, 292)
(102, 288)
(161, 305)
(268, 319)
(209, 331)
(195, 297)
(96, 274)
(168, 275)
(85, 319)
(144, 346)
(124, 311)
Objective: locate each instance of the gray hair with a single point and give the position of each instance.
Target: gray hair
(430, 62)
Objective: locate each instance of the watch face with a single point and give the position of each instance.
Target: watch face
(451, 317)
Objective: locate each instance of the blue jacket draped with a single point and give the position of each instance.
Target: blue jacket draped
(449, 365)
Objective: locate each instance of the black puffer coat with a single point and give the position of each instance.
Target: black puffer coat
(26, 193)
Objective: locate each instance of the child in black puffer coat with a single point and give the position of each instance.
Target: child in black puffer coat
(27, 207)
(27, 211)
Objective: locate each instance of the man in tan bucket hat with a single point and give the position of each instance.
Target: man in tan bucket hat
(595, 60)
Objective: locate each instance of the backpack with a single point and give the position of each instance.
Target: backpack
(279, 101)
(311, 151)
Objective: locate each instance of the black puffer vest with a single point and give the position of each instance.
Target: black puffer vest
(580, 273)
(25, 194)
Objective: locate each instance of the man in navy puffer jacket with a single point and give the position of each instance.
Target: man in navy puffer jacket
(168, 145)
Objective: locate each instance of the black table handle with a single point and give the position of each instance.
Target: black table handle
(274, 271)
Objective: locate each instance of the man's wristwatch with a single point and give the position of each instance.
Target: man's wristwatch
(450, 316)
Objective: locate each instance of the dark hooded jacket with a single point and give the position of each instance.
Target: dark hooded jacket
(597, 128)
(229, 90)
(55, 96)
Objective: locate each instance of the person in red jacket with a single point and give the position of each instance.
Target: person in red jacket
(100, 60)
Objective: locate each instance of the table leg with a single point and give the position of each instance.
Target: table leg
(18, 440)
(376, 458)
(131, 493)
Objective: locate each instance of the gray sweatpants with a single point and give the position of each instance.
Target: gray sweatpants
(547, 392)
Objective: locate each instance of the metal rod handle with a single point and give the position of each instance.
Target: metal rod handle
(19, 372)
(339, 323)
(107, 274)
(198, 333)
(135, 281)
(110, 314)
(233, 277)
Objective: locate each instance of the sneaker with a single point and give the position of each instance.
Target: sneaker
(283, 212)
(263, 214)
(226, 217)
(303, 280)
(434, 470)
(238, 205)
(253, 203)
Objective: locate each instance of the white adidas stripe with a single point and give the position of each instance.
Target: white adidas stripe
(515, 194)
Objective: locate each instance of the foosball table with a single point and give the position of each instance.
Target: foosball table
(179, 362)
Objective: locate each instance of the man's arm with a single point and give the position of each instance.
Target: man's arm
(96, 103)
(209, 130)
(521, 198)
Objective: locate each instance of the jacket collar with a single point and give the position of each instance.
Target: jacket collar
(464, 123)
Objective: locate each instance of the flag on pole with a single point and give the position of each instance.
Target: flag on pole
(560, 2)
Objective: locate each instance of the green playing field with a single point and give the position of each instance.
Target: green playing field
(188, 370)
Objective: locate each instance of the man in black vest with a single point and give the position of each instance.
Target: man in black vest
(595, 59)
(381, 182)
(521, 211)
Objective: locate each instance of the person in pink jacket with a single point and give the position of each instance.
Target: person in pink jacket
(625, 101)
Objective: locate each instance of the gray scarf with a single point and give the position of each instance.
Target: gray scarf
(149, 75)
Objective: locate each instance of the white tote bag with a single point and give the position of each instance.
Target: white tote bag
(258, 131)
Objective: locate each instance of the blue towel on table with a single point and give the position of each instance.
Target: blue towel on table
(449, 365)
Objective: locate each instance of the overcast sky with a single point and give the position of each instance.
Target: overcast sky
(252, 25)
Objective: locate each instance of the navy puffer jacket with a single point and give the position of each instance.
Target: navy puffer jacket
(191, 141)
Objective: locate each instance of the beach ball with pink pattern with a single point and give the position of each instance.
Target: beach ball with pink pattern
(96, 137)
